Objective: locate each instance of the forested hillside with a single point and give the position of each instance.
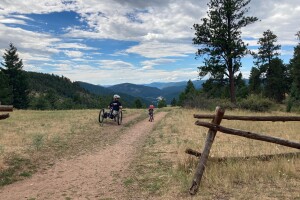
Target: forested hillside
(54, 92)
(128, 99)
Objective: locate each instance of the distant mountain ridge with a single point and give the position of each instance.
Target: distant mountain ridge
(103, 91)
(147, 92)
(162, 85)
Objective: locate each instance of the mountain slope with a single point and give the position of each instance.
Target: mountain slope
(145, 92)
(48, 91)
(162, 85)
(126, 99)
(95, 89)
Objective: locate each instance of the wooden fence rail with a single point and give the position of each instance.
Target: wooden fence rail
(250, 135)
(214, 126)
(4, 116)
(252, 118)
(5, 108)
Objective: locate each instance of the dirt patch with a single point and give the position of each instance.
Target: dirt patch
(90, 176)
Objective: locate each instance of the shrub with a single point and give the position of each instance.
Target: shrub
(256, 103)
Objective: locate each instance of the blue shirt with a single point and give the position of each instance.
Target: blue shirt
(115, 105)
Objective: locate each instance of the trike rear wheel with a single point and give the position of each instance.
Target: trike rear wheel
(101, 116)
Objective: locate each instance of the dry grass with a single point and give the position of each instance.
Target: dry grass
(31, 140)
(164, 171)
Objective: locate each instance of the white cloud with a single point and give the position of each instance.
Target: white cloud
(160, 50)
(149, 64)
(104, 76)
(69, 45)
(162, 30)
(11, 21)
(73, 54)
(115, 65)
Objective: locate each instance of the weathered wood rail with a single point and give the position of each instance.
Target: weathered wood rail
(252, 118)
(5, 108)
(250, 135)
(214, 126)
(4, 116)
(203, 158)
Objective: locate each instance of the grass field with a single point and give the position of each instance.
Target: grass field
(164, 171)
(34, 140)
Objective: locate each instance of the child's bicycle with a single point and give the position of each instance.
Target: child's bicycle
(151, 116)
(115, 115)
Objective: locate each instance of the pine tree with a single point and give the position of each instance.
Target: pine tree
(255, 81)
(174, 102)
(295, 73)
(295, 68)
(268, 50)
(5, 90)
(138, 103)
(219, 36)
(162, 103)
(273, 72)
(189, 92)
(276, 85)
(13, 69)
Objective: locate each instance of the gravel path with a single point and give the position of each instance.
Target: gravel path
(91, 176)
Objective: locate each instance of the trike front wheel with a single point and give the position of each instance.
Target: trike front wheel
(119, 117)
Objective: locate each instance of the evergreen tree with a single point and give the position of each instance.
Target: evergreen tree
(138, 103)
(273, 72)
(295, 68)
(13, 69)
(220, 38)
(162, 103)
(174, 102)
(295, 74)
(190, 88)
(255, 81)
(5, 90)
(268, 50)
(189, 92)
(241, 87)
(276, 86)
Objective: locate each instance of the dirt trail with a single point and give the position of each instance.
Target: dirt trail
(92, 176)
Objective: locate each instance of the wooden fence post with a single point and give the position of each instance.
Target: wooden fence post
(204, 156)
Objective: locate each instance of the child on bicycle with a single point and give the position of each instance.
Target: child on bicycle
(151, 113)
(115, 105)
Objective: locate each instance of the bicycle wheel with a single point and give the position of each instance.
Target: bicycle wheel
(101, 116)
(119, 117)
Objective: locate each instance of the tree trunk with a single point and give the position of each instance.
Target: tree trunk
(231, 83)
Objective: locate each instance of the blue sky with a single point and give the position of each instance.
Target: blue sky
(116, 41)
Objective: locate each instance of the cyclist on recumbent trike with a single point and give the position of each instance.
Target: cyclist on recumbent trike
(114, 106)
(114, 113)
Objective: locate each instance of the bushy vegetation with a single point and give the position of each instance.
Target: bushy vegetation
(256, 103)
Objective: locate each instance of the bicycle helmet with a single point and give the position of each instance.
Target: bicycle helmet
(116, 96)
